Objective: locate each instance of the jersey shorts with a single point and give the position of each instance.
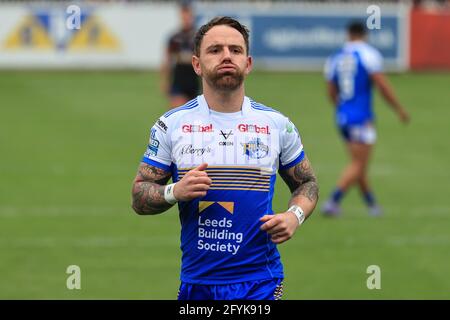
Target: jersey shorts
(221, 239)
(364, 133)
(185, 81)
(271, 289)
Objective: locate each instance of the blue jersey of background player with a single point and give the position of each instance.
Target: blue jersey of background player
(350, 75)
(223, 152)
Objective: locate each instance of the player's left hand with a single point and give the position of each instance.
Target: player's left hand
(404, 116)
(280, 226)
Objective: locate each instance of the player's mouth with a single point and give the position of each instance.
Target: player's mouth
(226, 68)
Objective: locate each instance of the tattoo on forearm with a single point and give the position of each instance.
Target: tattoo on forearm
(302, 180)
(304, 174)
(148, 190)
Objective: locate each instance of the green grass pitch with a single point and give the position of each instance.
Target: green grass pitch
(71, 143)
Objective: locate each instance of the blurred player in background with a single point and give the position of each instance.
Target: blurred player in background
(179, 81)
(350, 74)
(223, 151)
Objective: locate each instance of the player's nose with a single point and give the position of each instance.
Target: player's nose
(226, 54)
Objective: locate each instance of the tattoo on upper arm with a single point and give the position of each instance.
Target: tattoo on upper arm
(301, 180)
(148, 189)
(153, 174)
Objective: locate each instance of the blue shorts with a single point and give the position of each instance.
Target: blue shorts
(361, 133)
(271, 289)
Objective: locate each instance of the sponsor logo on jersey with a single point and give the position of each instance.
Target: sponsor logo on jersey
(160, 124)
(189, 128)
(255, 149)
(226, 135)
(253, 128)
(153, 144)
(227, 205)
(290, 128)
(189, 149)
(217, 235)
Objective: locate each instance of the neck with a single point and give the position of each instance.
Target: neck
(224, 101)
(356, 39)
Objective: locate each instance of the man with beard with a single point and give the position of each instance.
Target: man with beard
(223, 151)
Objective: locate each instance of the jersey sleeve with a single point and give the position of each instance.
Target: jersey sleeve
(291, 146)
(372, 60)
(158, 151)
(328, 69)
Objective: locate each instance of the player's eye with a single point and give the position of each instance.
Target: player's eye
(237, 50)
(214, 50)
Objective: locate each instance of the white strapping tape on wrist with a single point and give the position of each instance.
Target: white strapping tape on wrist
(168, 193)
(298, 213)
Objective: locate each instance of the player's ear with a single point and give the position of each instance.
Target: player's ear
(249, 65)
(196, 65)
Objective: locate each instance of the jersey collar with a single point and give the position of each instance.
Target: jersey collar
(245, 109)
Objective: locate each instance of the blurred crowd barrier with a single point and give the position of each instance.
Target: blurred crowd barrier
(84, 34)
(285, 35)
(430, 39)
(300, 36)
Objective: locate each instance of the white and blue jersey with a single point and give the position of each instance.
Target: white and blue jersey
(350, 70)
(221, 240)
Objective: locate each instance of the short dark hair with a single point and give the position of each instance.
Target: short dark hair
(356, 28)
(185, 4)
(218, 21)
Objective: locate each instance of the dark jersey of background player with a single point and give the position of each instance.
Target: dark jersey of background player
(180, 83)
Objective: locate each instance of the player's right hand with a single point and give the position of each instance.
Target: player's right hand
(194, 184)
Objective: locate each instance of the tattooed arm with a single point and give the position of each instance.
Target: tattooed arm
(148, 190)
(305, 193)
(150, 182)
(303, 184)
